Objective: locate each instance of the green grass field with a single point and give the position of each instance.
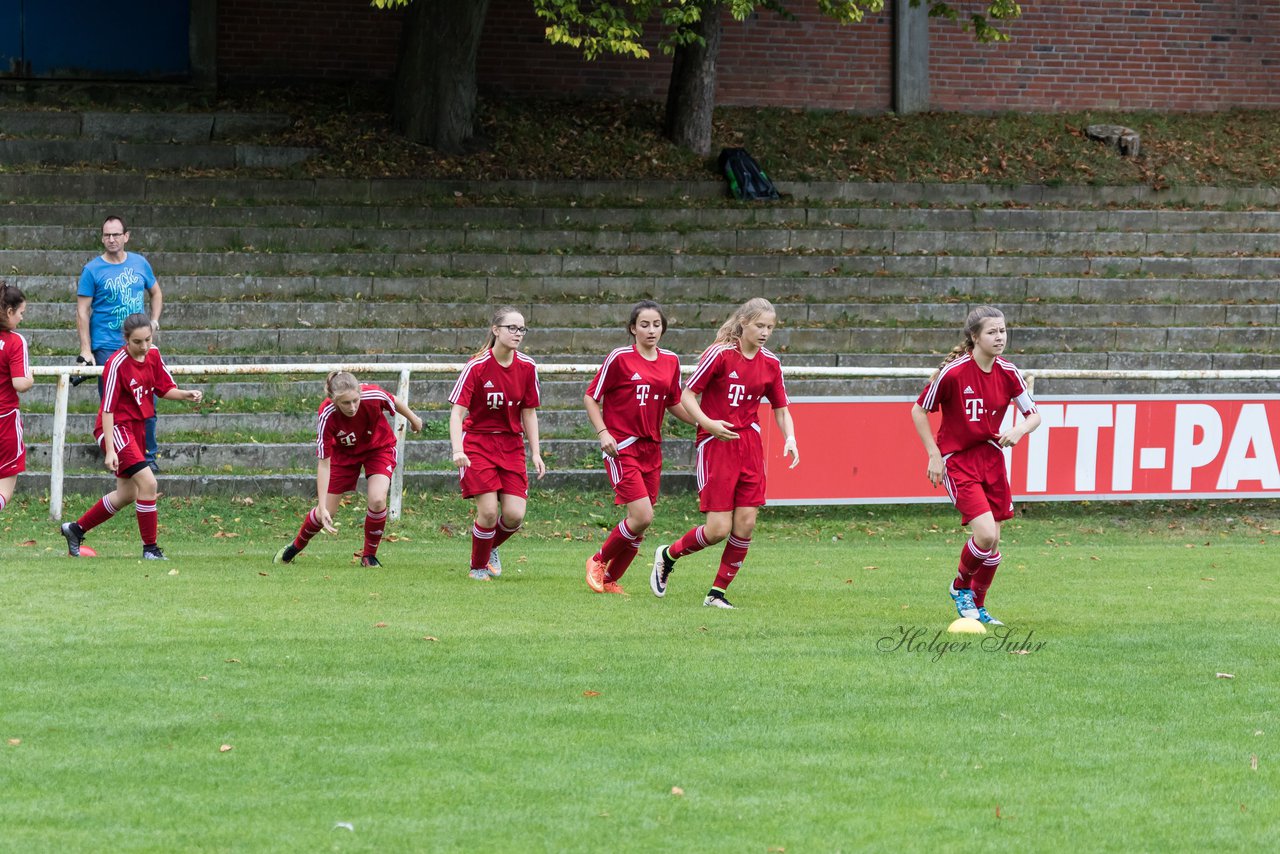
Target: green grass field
(410, 708)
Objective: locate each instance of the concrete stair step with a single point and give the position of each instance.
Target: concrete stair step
(174, 127)
(565, 340)
(175, 456)
(268, 485)
(471, 264)
(724, 290)
(700, 241)
(152, 155)
(117, 188)
(181, 315)
(449, 213)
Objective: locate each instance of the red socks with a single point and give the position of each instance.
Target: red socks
(693, 541)
(310, 527)
(619, 549)
(98, 513)
(971, 558)
(982, 580)
(731, 560)
(503, 533)
(148, 522)
(374, 523)
(481, 545)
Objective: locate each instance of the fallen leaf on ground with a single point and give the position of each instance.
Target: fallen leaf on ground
(27, 543)
(431, 638)
(14, 742)
(233, 661)
(379, 625)
(591, 693)
(677, 791)
(1253, 762)
(224, 748)
(1225, 675)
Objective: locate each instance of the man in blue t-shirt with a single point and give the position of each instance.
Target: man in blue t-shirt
(112, 287)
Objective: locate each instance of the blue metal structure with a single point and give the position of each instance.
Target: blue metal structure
(88, 39)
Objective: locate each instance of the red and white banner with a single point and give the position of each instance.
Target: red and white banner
(864, 450)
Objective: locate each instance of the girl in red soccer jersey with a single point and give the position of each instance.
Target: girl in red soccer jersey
(723, 395)
(15, 378)
(352, 434)
(131, 376)
(495, 407)
(626, 402)
(973, 387)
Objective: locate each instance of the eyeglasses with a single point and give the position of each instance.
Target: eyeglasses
(513, 329)
(106, 236)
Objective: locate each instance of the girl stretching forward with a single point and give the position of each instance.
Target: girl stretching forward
(636, 386)
(352, 434)
(973, 387)
(131, 376)
(15, 378)
(723, 395)
(495, 406)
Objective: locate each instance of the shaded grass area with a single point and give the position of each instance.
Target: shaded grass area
(620, 139)
(411, 703)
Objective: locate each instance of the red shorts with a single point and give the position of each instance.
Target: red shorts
(636, 472)
(978, 482)
(129, 439)
(13, 450)
(731, 472)
(497, 465)
(344, 472)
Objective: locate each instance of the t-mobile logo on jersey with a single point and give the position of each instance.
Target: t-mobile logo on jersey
(495, 399)
(347, 439)
(974, 407)
(736, 393)
(642, 394)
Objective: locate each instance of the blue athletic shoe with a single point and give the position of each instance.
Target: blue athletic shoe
(984, 617)
(964, 603)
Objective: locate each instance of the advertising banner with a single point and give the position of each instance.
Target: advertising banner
(864, 450)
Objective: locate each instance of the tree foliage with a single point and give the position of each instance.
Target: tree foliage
(597, 28)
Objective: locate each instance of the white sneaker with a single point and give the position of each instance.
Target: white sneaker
(663, 566)
(715, 599)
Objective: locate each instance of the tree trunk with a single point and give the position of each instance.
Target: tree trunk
(691, 97)
(435, 93)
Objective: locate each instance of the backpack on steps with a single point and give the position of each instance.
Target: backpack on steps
(747, 181)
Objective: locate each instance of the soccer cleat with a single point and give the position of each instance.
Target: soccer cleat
(152, 553)
(369, 560)
(481, 574)
(595, 574)
(663, 565)
(75, 536)
(285, 555)
(614, 587)
(984, 617)
(495, 564)
(715, 599)
(964, 603)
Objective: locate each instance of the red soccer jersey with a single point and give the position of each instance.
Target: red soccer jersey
(973, 401)
(127, 386)
(14, 362)
(732, 386)
(361, 434)
(494, 396)
(635, 392)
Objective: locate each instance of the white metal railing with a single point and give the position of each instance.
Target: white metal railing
(406, 369)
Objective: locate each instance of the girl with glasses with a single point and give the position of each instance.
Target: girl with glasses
(627, 401)
(495, 408)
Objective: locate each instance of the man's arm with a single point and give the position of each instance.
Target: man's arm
(157, 304)
(83, 310)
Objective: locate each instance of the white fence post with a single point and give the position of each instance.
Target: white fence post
(58, 447)
(402, 427)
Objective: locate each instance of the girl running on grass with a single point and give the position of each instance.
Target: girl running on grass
(973, 387)
(626, 403)
(351, 434)
(130, 378)
(495, 407)
(15, 378)
(723, 395)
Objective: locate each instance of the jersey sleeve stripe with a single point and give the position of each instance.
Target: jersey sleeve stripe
(708, 359)
(462, 378)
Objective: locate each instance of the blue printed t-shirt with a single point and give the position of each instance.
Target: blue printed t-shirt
(117, 291)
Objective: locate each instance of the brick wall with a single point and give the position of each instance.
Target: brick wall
(1085, 54)
(1115, 54)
